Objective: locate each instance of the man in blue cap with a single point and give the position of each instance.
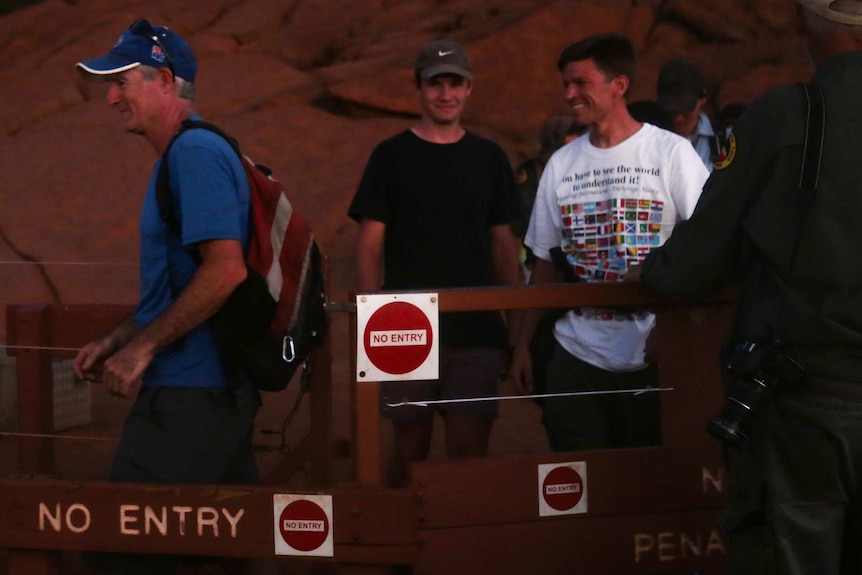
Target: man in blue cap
(193, 416)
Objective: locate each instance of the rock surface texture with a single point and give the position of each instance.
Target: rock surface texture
(309, 87)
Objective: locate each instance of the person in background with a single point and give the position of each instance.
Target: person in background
(682, 95)
(604, 202)
(435, 207)
(192, 420)
(794, 494)
(649, 112)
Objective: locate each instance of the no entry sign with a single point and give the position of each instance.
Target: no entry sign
(562, 488)
(303, 525)
(397, 337)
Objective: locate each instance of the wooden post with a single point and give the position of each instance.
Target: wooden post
(321, 414)
(366, 432)
(365, 410)
(29, 327)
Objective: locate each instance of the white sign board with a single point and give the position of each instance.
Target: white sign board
(397, 337)
(303, 525)
(562, 488)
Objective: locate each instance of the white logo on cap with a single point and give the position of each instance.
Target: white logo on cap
(441, 53)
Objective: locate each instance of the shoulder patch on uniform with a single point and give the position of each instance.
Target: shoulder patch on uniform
(726, 153)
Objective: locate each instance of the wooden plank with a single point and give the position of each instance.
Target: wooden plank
(650, 544)
(369, 525)
(559, 295)
(24, 562)
(689, 340)
(506, 489)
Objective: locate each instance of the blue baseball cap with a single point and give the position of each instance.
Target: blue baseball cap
(148, 45)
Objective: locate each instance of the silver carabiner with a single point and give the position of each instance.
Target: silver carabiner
(288, 349)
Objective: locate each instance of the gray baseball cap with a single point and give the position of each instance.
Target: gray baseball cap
(443, 57)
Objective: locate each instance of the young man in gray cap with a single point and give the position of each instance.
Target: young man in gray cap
(435, 206)
(192, 420)
(682, 95)
(795, 497)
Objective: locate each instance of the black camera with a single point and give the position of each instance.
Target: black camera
(757, 369)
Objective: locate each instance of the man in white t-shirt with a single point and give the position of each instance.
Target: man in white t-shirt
(604, 201)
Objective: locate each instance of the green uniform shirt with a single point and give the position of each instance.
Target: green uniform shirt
(745, 227)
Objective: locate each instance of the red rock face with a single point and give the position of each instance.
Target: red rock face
(309, 87)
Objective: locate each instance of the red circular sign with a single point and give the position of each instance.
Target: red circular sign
(398, 338)
(303, 525)
(563, 488)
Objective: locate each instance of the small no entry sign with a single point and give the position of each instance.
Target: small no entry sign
(397, 337)
(303, 525)
(562, 488)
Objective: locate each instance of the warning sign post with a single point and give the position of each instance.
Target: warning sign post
(397, 336)
(303, 525)
(562, 488)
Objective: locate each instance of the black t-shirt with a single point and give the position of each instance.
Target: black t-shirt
(438, 202)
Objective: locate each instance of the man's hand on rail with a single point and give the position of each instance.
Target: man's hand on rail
(633, 273)
(90, 360)
(122, 371)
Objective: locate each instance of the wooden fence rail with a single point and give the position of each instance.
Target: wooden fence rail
(642, 511)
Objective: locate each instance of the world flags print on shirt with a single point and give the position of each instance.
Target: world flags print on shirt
(601, 239)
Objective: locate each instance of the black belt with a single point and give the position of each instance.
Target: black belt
(838, 388)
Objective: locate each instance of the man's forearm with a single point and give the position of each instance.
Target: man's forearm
(202, 297)
(220, 272)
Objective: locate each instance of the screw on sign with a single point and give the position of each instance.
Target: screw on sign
(563, 488)
(303, 525)
(398, 338)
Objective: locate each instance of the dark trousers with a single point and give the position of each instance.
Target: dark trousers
(599, 421)
(794, 505)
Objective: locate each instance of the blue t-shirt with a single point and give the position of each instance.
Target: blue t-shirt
(210, 197)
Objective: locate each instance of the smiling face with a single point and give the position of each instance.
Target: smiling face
(591, 95)
(442, 98)
(137, 99)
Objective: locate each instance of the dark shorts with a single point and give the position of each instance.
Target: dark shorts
(464, 373)
(188, 435)
(182, 435)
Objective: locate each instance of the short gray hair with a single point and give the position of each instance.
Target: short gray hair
(185, 89)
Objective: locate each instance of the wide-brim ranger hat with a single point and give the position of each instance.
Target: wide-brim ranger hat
(148, 45)
(843, 11)
(443, 57)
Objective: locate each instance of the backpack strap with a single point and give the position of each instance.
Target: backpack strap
(812, 152)
(163, 182)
